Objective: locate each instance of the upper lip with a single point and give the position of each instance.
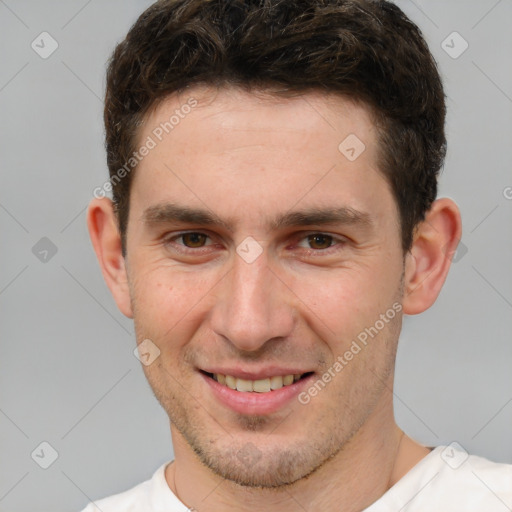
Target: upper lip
(263, 373)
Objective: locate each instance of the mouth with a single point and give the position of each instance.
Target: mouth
(265, 395)
(265, 385)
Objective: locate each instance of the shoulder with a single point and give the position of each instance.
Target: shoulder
(449, 478)
(127, 501)
(469, 482)
(151, 494)
(479, 473)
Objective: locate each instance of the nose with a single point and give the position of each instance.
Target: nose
(253, 305)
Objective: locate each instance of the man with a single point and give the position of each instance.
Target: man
(274, 169)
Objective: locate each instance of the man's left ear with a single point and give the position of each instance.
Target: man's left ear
(429, 259)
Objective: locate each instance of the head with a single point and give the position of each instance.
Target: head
(282, 206)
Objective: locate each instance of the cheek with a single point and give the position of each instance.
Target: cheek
(165, 303)
(341, 302)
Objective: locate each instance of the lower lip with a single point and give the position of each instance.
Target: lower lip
(247, 402)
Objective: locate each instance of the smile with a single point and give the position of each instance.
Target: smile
(265, 393)
(256, 386)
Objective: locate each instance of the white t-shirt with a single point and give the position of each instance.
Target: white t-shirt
(446, 480)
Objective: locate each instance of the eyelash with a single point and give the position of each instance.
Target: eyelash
(336, 241)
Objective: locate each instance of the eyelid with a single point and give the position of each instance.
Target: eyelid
(171, 237)
(298, 237)
(337, 240)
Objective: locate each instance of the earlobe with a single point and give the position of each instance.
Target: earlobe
(106, 240)
(429, 259)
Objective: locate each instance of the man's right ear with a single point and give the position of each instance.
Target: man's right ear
(106, 240)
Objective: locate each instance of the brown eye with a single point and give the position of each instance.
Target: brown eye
(194, 240)
(320, 241)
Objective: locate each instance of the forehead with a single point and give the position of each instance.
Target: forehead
(259, 110)
(236, 149)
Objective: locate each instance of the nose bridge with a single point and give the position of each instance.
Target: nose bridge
(252, 306)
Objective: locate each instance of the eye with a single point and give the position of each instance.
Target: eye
(193, 240)
(320, 242)
(190, 240)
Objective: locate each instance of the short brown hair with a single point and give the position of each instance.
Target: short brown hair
(366, 50)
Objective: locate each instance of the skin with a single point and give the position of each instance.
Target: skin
(249, 158)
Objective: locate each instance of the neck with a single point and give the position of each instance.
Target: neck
(358, 475)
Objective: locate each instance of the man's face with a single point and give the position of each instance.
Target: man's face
(289, 300)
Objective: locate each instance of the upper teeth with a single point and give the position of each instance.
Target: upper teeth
(260, 386)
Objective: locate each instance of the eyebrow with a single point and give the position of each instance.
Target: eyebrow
(167, 213)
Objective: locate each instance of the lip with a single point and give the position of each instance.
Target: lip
(266, 373)
(255, 403)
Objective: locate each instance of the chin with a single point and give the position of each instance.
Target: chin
(269, 471)
(254, 462)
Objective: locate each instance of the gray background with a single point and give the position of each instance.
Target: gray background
(68, 374)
